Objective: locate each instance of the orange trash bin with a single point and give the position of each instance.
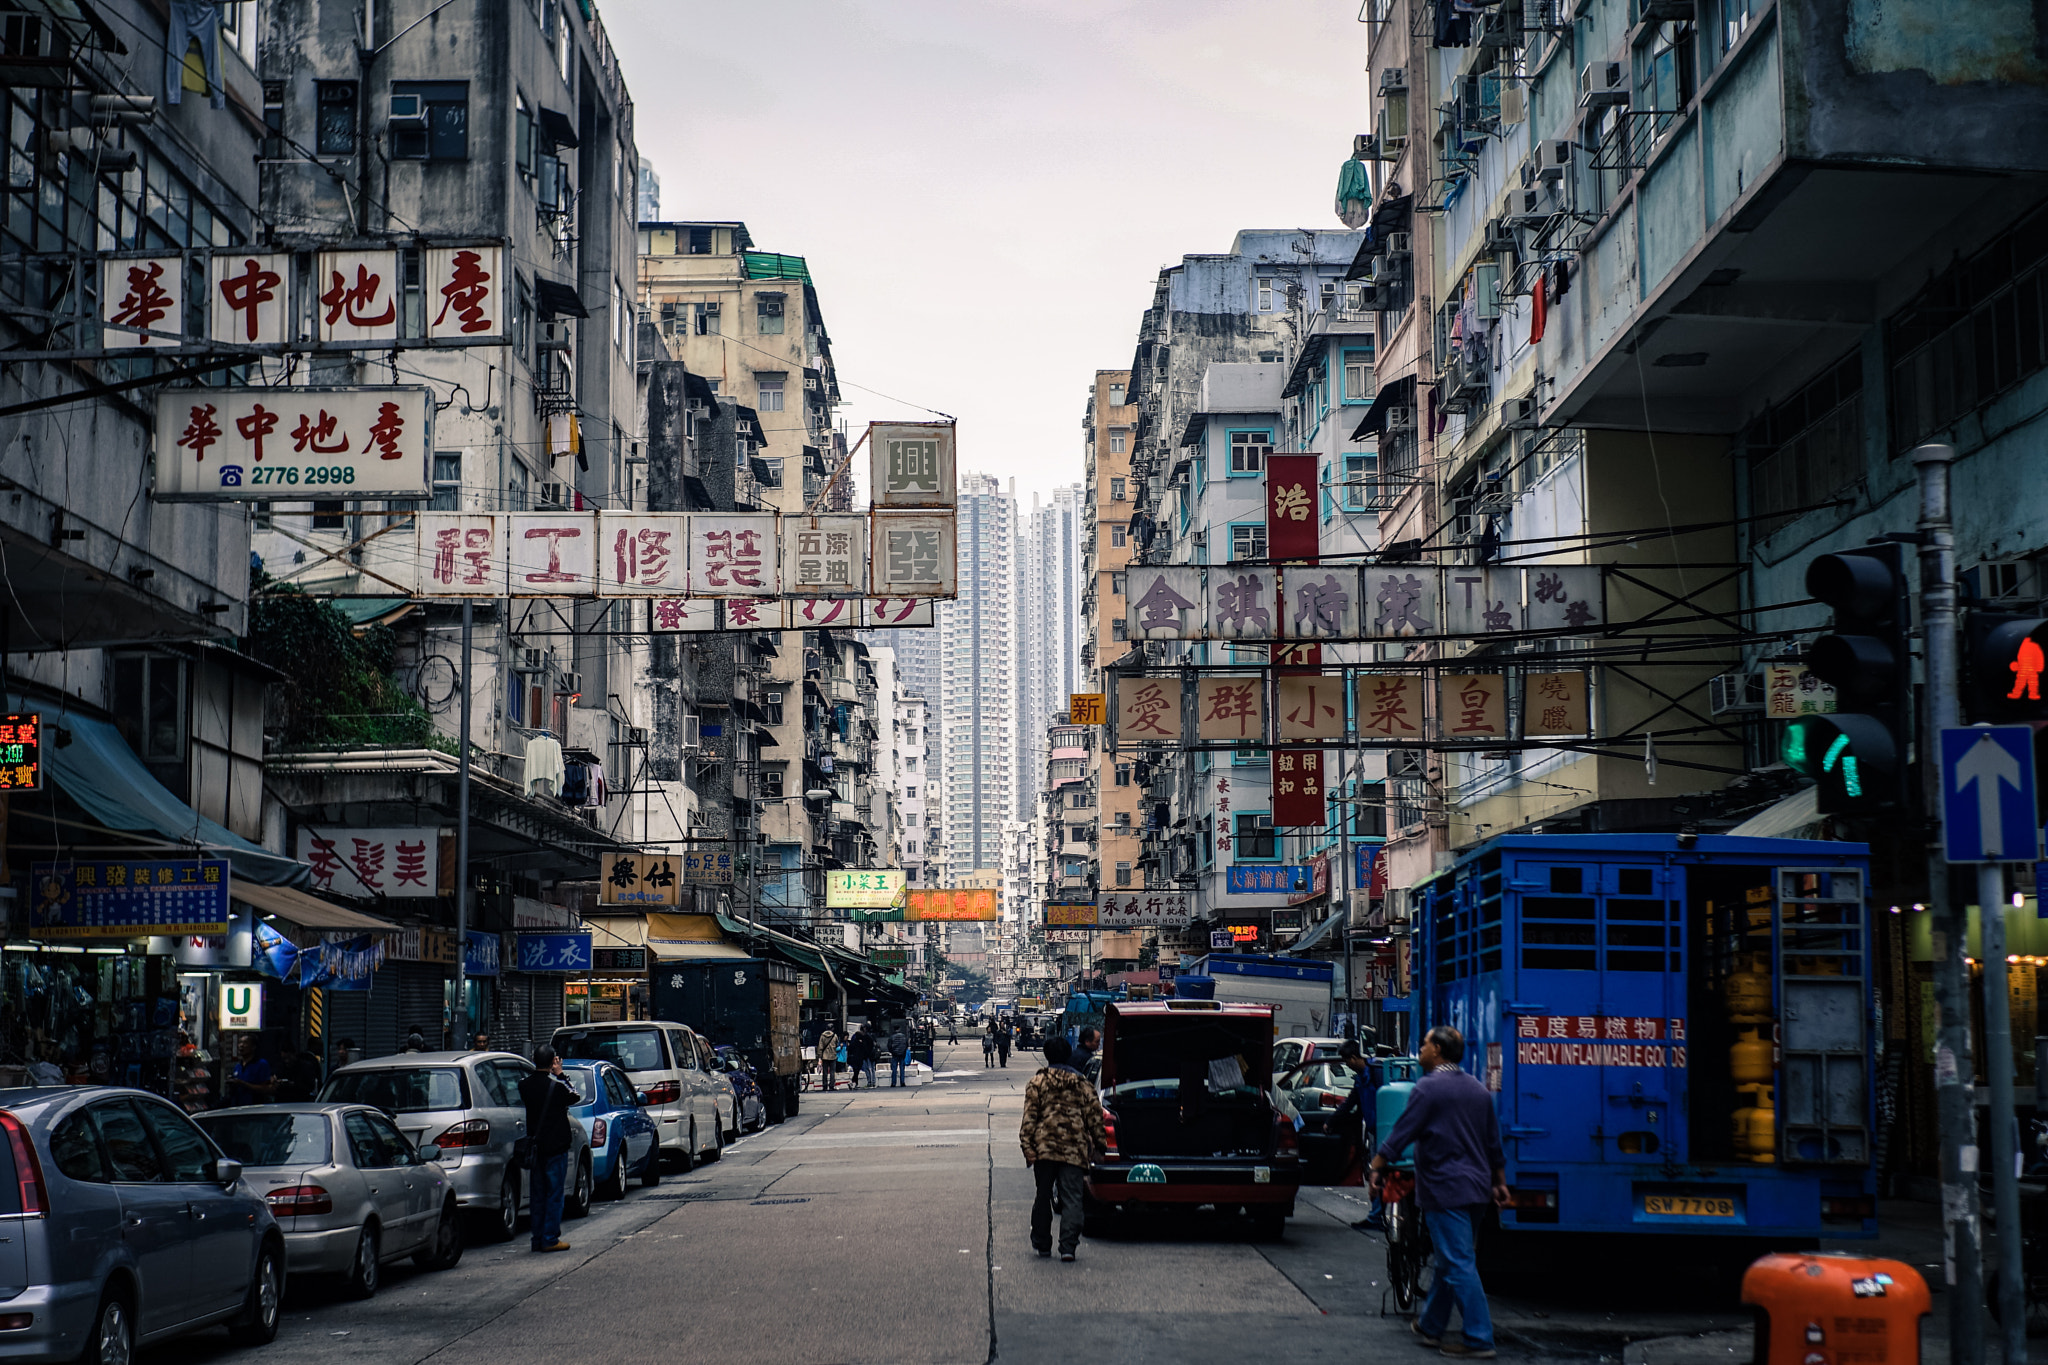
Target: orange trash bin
(1832, 1308)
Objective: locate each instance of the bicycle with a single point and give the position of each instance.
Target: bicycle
(1408, 1246)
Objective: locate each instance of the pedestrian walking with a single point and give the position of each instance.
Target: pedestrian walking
(1353, 1120)
(547, 1098)
(988, 1046)
(899, 1054)
(1061, 1136)
(1003, 1043)
(1460, 1167)
(828, 1057)
(860, 1057)
(952, 1029)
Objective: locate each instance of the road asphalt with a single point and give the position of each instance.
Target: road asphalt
(888, 1227)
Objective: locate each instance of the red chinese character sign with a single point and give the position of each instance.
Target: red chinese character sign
(356, 296)
(460, 555)
(734, 556)
(1231, 707)
(1292, 522)
(1554, 705)
(552, 554)
(248, 297)
(670, 615)
(464, 289)
(142, 302)
(1472, 706)
(822, 613)
(1389, 706)
(400, 863)
(248, 445)
(1310, 707)
(1298, 795)
(1147, 709)
(901, 612)
(642, 554)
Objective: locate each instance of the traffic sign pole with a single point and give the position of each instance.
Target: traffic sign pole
(1959, 1203)
(2005, 1185)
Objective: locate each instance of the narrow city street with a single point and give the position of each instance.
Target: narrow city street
(889, 1227)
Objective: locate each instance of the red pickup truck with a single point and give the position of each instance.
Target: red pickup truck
(1187, 1099)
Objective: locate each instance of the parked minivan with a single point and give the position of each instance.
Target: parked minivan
(467, 1104)
(129, 1227)
(688, 1096)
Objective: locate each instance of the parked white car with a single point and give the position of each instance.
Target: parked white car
(687, 1094)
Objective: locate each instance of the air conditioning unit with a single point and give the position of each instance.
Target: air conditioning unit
(1735, 693)
(1393, 78)
(1553, 158)
(1514, 105)
(1526, 206)
(1501, 236)
(693, 737)
(1405, 763)
(1400, 419)
(408, 111)
(1400, 245)
(553, 495)
(1519, 414)
(1603, 83)
(530, 661)
(571, 685)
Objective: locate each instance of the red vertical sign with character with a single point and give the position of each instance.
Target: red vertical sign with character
(1298, 796)
(1292, 524)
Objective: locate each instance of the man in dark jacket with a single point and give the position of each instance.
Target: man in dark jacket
(548, 1099)
(899, 1053)
(1062, 1134)
(1459, 1168)
(860, 1057)
(1003, 1042)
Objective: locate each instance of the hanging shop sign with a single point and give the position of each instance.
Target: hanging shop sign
(1555, 705)
(1086, 708)
(932, 904)
(734, 555)
(1292, 523)
(825, 554)
(21, 752)
(641, 555)
(1390, 705)
(342, 963)
(1298, 793)
(1068, 914)
(255, 444)
(1308, 707)
(1231, 708)
(708, 866)
(241, 1004)
(872, 889)
(1791, 691)
(1148, 709)
(1068, 935)
(480, 953)
(554, 953)
(1253, 879)
(1364, 858)
(246, 298)
(618, 959)
(131, 898)
(460, 554)
(1144, 910)
(1348, 601)
(142, 302)
(911, 464)
(1318, 883)
(641, 880)
(402, 863)
(1473, 705)
(666, 615)
(915, 555)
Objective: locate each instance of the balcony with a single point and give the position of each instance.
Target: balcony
(841, 690)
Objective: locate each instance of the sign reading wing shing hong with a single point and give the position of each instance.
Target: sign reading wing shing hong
(248, 445)
(1143, 910)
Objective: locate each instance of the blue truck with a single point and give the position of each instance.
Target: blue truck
(1678, 1029)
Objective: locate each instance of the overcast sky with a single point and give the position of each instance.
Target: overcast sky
(985, 190)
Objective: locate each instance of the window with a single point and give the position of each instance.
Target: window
(910, 793)
(1118, 436)
(1123, 774)
(1119, 629)
(1123, 819)
(1077, 833)
(149, 708)
(1359, 480)
(707, 322)
(327, 516)
(1119, 583)
(1248, 452)
(1358, 376)
(444, 136)
(1809, 447)
(768, 471)
(1369, 816)
(1255, 837)
(1116, 395)
(447, 481)
(1118, 537)
(1077, 801)
(1263, 294)
(1327, 295)
(1123, 874)
(1248, 541)
(771, 784)
(768, 314)
(768, 391)
(334, 118)
(910, 764)
(76, 1149)
(911, 847)
(128, 1148)
(1116, 490)
(700, 241)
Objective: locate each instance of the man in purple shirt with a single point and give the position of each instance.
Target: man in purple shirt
(1459, 1168)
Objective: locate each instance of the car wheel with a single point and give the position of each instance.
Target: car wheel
(446, 1249)
(113, 1334)
(717, 1140)
(732, 1134)
(650, 1173)
(577, 1205)
(362, 1272)
(258, 1323)
(614, 1185)
(686, 1160)
(772, 1103)
(499, 1223)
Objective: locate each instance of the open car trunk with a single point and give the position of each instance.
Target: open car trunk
(1189, 1084)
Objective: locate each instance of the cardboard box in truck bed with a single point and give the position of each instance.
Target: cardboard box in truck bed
(1297, 989)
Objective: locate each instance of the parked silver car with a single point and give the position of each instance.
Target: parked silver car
(126, 1226)
(349, 1191)
(688, 1096)
(467, 1104)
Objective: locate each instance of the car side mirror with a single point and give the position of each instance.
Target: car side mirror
(430, 1152)
(640, 1098)
(226, 1171)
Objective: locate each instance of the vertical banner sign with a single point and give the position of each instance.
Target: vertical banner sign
(247, 297)
(461, 554)
(1231, 708)
(147, 294)
(1472, 706)
(669, 614)
(1389, 706)
(464, 291)
(1321, 603)
(1242, 600)
(914, 555)
(1308, 706)
(911, 464)
(1147, 709)
(357, 295)
(644, 553)
(825, 555)
(1298, 787)
(734, 556)
(260, 443)
(1165, 604)
(552, 554)
(1555, 704)
(1292, 526)
(21, 756)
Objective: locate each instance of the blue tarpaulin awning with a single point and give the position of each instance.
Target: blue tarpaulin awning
(101, 773)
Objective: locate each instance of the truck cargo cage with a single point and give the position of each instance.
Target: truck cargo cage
(1822, 968)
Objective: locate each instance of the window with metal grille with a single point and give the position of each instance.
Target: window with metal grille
(1248, 540)
(1809, 448)
(1256, 838)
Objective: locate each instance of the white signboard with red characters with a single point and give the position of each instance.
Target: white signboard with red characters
(643, 553)
(461, 554)
(252, 445)
(734, 556)
(553, 554)
(373, 862)
(142, 301)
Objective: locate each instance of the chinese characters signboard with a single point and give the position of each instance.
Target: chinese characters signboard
(857, 890)
(965, 903)
(1143, 910)
(706, 865)
(734, 556)
(1165, 604)
(1251, 879)
(1068, 914)
(1390, 705)
(460, 555)
(911, 464)
(1292, 524)
(1298, 795)
(247, 290)
(259, 443)
(1473, 705)
(1555, 704)
(1147, 708)
(130, 898)
(825, 554)
(21, 752)
(641, 879)
(1309, 707)
(373, 862)
(142, 302)
(915, 554)
(554, 953)
(1086, 708)
(1229, 707)
(1343, 601)
(1791, 691)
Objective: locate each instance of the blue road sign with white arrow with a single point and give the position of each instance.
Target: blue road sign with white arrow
(1987, 794)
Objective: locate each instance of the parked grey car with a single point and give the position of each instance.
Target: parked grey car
(467, 1104)
(348, 1190)
(128, 1226)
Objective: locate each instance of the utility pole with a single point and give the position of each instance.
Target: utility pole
(2005, 1185)
(461, 1010)
(1954, 1064)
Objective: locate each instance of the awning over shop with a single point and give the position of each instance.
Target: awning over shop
(690, 938)
(307, 912)
(101, 773)
(1396, 393)
(1795, 817)
(1315, 935)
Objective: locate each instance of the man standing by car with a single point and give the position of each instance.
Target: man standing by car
(1084, 1051)
(251, 1082)
(1061, 1135)
(548, 1099)
(899, 1054)
(1459, 1168)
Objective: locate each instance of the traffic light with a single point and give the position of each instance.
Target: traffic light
(1857, 756)
(2006, 657)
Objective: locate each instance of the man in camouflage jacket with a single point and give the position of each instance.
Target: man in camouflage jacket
(1061, 1134)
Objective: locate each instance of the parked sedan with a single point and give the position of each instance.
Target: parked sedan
(1289, 1053)
(349, 1191)
(127, 1226)
(753, 1105)
(467, 1104)
(1310, 1096)
(623, 1139)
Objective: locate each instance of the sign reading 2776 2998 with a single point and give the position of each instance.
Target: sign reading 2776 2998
(255, 444)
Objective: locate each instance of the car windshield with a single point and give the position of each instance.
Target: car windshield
(270, 1139)
(635, 1049)
(1325, 1076)
(401, 1090)
(582, 1080)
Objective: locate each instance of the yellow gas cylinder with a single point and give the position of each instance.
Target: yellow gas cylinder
(1747, 993)
(1749, 1061)
(1760, 1140)
(1739, 1120)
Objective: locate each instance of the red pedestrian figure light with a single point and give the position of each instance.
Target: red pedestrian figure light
(2026, 669)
